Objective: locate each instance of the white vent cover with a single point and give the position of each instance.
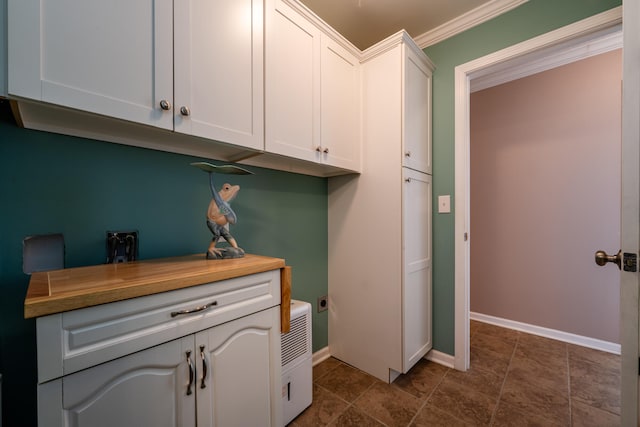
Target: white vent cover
(297, 342)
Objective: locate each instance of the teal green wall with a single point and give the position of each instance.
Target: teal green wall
(528, 20)
(81, 188)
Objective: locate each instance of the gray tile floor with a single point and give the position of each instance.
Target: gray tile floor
(516, 379)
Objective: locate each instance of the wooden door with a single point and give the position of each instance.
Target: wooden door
(630, 224)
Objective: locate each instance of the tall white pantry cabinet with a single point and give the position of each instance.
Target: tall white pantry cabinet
(380, 221)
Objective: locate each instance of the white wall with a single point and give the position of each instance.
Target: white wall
(545, 195)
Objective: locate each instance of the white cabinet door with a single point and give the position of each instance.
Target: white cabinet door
(416, 295)
(113, 58)
(416, 134)
(339, 106)
(219, 92)
(241, 385)
(292, 83)
(149, 388)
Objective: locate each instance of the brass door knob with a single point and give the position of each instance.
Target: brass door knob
(602, 258)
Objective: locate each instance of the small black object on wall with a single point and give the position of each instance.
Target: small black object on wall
(122, 246)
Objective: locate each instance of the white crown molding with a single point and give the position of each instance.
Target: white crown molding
(392, 41)
(323, 26)
(468, 20)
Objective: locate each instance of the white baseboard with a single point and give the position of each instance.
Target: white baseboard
(321, 355)
(440, 358)
(567, 337)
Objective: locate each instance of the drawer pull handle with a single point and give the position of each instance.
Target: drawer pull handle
(194, 310)
(204, 367)
(192, 373)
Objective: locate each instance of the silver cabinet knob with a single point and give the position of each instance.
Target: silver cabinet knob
(407, 154)
(325, 151)
(185, 111)
(318, 148)
(165, 105)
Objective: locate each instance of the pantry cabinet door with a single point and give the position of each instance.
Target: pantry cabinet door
(113, 58)
(416, 292)
(239, 379)
(219, 70)
(416, 134)
(148, 388)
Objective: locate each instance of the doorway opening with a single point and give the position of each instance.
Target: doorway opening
(589, 37)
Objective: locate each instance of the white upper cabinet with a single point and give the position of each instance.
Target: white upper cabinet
(116, 58)
(312, 92)
(416, 138)
(292, 60)
(339, 106)
(112, 58)
(219, 79)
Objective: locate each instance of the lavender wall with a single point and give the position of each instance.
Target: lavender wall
(545, 195)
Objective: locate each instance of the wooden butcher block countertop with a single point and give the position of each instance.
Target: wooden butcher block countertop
(69, 289)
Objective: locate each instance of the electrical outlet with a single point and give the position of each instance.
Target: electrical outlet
(323, 303)
(122, 246)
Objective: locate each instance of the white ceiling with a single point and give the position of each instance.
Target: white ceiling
(366, 22)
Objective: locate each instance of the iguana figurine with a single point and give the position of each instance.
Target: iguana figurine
(219, 213)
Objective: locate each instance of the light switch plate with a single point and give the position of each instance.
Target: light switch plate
(444, 204)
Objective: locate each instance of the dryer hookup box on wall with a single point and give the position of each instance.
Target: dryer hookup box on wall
(122, 246)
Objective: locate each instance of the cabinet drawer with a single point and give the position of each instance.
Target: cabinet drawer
(75, 340)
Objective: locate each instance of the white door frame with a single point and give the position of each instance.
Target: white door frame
(575, 41)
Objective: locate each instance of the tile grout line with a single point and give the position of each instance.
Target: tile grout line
(426, 400)
(504, 381)
(569, 384)
(353, 404)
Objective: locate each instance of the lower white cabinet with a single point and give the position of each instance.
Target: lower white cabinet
(204, 355)
(241, 385)
(222, 376)
(149, 388)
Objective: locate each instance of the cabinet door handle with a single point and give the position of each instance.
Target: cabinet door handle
(407, 154)
(185, 111)
(192, 373)
(194, 310)
(204, 367)
(318, 148)
(165, 105)
(325, 151)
